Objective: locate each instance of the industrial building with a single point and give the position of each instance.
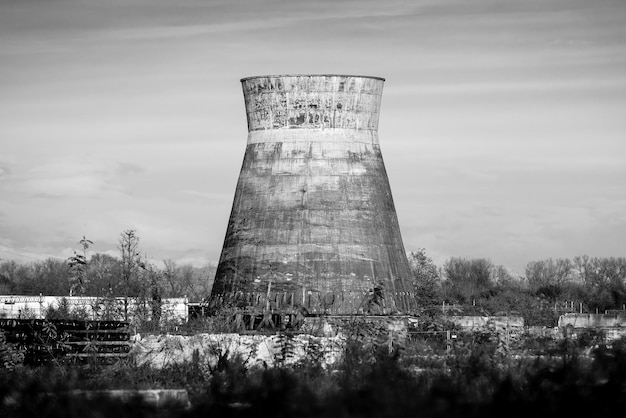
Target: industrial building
(313, 227)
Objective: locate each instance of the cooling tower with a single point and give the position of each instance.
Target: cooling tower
(313, 224)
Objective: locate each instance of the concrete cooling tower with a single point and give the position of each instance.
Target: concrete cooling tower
(313, 225)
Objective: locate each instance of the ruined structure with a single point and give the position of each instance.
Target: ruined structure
(313, 224)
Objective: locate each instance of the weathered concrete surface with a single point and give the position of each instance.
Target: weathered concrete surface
(543, 332)
(612, 325)
(160, 351)
(495, 323)
(592, 321)
(313, 224)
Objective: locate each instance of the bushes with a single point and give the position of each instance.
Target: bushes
(473, 382)
(11, 356)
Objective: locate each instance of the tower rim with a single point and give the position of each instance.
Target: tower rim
(311, 75)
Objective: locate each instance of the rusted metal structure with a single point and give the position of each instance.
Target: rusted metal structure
(313, 226)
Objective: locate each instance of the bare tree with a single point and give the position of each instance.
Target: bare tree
(500, 275)
(132, 264)
(204, 282)
(603, 280)
(187, 280)
(178, 279)
(103, 275)
(468, 278)
(549, 276)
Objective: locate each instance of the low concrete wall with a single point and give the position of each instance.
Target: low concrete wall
(544, 332)
(255, 350)
(592, 320)
(497, 323)
(612, 325)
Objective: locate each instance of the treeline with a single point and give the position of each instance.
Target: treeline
(477, 286)
(103, 275)
(103, 278)
(461, 285)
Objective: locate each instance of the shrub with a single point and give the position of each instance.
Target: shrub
(11, 356)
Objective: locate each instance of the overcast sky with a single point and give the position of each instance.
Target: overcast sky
(503, 123)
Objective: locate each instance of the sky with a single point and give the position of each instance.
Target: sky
(502, 127)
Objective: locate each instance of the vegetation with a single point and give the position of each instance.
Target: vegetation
(101, 275)
(475, 380)
(477, 374)
(549, 288)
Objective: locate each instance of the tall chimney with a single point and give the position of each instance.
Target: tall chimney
(313, 225)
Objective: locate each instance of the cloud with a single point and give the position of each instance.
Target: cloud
(128, 20)
(247, 22)
(65, 177)
(23, 255)
(206, 196)
(127, 169)
(194, 261)
(4, 172)
(75, 176)
(128, 113)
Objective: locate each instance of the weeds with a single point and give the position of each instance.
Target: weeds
(11, 355)
(473, 381)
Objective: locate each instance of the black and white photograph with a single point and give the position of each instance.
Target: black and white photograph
(289, 208)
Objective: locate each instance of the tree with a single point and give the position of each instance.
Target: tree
(8, 276)
(581, 268)
(186, 280)
(132, 265)
(187, 275)
(154, 280)
(50, 277)
(604, 281)
(132, 262)
(500, 275)
(103, 276)
(78, 267)
(468, 279)
(203, 282)
(549, 277)
(175, 284)
(425, 278)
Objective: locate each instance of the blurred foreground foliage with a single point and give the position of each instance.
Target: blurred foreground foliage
(475, 380)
